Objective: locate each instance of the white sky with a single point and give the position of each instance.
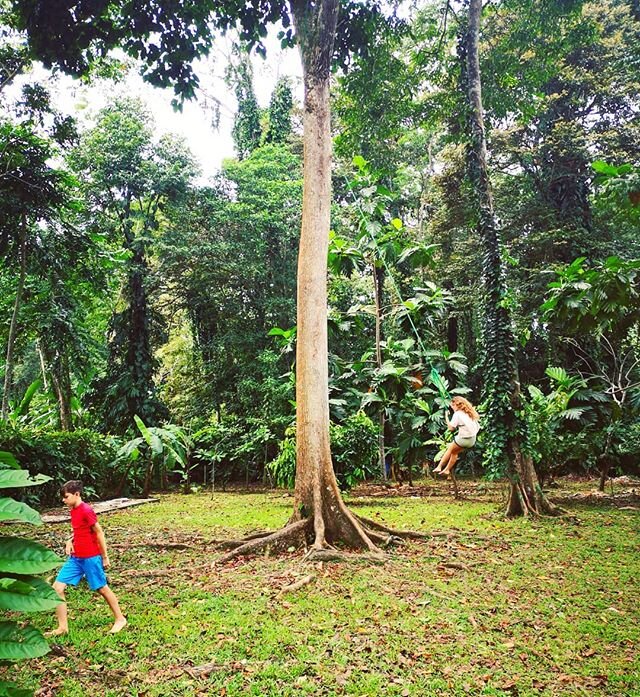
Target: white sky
(209, 145)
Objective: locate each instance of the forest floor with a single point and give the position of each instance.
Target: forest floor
(493, 607)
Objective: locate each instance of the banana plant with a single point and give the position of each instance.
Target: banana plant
(21, 589)
(166, 448)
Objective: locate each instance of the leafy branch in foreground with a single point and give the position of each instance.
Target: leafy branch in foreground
(21, 590)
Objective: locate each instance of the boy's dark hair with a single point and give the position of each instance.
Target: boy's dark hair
(72, 487)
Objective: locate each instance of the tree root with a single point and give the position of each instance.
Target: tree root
(299, 534)
(384, 540)
(293, 534)
(297, 585)
(357, 532)
(534, 504)
(204, 670)
(232, 544)
(403, 534)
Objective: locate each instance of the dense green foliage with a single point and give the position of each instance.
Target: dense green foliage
(61, 456)
(147, 293)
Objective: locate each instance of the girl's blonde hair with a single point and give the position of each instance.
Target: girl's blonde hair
(466, 406)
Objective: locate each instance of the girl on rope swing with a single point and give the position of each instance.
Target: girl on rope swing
(466, 419)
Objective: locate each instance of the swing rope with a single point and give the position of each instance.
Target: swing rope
(435, 376)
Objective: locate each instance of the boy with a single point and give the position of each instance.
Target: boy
(87, 552)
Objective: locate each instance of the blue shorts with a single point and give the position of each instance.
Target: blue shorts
(75, 568)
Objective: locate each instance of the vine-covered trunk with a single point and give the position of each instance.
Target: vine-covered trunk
(13, 327)
(502, 380)
(317, 496)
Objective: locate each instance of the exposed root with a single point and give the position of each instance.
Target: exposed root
(233, 544)
(526, 503)
(293, 534)
(403, 534)
(297, 585)
(384, 540)
(455, 565)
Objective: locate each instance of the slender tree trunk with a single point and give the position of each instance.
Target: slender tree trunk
(61, 382)
(13, 328)
(320, 517)
(525, 493)
(43, 366)
(139, 354)
(605, 459)
(378, 283)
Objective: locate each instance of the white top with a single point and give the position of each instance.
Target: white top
(467, 427)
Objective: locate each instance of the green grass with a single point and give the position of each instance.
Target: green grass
(536, 608)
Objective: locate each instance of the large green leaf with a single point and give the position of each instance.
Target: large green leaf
(20, 643)
(15, 479)
(8, 460)
(10, 689)
(150, 435)
(27, 594)
(23, 408)
(14, 510)
(26, 557)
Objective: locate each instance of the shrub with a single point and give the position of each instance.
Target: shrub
(354, 448)
(62, 455)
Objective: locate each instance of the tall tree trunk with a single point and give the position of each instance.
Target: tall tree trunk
(503, 384)
(13, 328)
(320, 517)
(378, 285)
(43, 366)
(316, 490)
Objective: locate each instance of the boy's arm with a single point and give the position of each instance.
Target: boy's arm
(451, 425)
(68, 547)
(102, 544)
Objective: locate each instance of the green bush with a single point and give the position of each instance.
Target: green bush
(354, 451)
(62, 455)
(282, 469)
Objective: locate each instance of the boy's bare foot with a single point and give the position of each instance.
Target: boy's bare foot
(118, 625)
(60, 631)
(436, 470)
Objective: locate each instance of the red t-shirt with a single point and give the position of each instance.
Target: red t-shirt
(85, 540)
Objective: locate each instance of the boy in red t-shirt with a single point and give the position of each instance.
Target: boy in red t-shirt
(87, 552)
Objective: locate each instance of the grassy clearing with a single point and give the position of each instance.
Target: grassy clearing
(501, 608)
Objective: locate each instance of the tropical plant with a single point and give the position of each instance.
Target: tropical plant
(162, 449)
(563, 423)
(601, 302)
(21, 590)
